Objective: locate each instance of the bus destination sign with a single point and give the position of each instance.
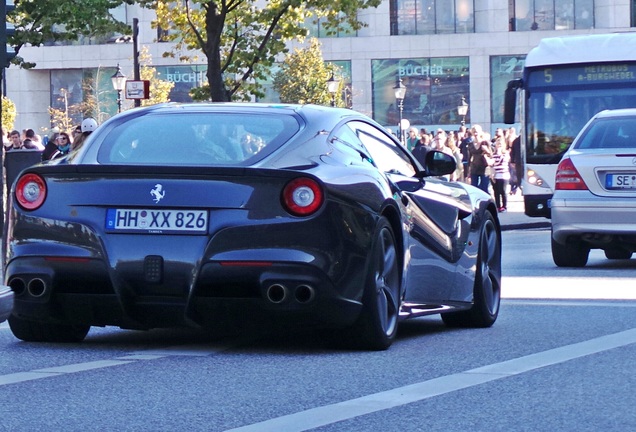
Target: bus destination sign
(584, 75)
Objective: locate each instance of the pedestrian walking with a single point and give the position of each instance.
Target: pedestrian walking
(501, 168)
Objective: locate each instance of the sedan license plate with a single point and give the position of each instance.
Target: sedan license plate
(620, 181)
(157, 221)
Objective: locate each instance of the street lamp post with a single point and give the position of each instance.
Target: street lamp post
(400, 92)
(462, 110)
(332, 87)
(119, 82)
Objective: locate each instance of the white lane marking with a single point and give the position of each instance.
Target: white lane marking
(24, 376)
(141, 357)
(329, 414)
(179, 350)
(82, 367)
(565, 287)
(186, 350)
(568, 303)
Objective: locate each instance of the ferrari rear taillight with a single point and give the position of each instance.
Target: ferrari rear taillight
(568, 177)
(302, 196)
(30, 191)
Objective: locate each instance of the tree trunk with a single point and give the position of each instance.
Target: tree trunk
(214, 22)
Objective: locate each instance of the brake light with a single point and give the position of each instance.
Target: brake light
(30, 191)
(302, 196)
(568, 177)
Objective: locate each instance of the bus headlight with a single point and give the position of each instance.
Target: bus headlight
(534, 178)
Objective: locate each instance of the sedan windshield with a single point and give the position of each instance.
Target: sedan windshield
(196, 138)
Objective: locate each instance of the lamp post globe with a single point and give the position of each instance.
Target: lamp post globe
(462, 110)
(119, 82)
(400, 93)
(332, 86)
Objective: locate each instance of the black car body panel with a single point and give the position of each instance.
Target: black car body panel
(69, 262)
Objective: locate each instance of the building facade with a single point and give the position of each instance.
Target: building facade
(444, 51)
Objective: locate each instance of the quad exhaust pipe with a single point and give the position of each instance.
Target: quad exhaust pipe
(35, 287)
(304, 294)
(278, 293)
(18, 285)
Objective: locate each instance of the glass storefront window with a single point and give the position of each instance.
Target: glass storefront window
(185, 78)
(316, 29)
(80, 93)
(502, 70)
(410, 17)
(89, 92)
(528, 15)
(584, 14)
(434, 88)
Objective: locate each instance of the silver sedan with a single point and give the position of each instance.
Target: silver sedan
(594, 203)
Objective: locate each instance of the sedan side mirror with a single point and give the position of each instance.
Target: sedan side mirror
(439, 164)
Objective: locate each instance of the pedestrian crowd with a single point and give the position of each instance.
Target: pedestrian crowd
(484, 161)
(52, 146)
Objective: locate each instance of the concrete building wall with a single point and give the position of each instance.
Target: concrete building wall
(31, 89)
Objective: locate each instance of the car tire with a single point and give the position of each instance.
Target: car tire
(487, 286)
(617, 254)
(34, 331)
(377, 324)
(569, 254)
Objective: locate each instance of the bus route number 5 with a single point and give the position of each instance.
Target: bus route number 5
(547, 75)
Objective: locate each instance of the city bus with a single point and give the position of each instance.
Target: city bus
(565, 81)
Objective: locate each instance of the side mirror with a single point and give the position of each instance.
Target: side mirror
(510, 100)
(439, 163)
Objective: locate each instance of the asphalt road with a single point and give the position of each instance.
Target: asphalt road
(555, 362)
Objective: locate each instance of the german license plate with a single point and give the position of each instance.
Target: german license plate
(620, 181)
(157, 221)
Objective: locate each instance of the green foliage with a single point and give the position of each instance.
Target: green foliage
(241, 39)
(40, 21)
(159, 89)
(303, 78)
(8, 113)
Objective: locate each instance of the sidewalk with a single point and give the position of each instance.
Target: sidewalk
(515, 218)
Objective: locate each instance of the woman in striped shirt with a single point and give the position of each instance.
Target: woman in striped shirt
(501, 176)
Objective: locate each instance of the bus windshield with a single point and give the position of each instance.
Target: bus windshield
(557, 110)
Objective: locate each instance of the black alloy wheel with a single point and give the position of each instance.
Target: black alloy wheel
(34, 331)
(487, 287)
(377, 325)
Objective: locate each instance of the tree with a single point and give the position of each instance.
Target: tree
(62, 119)
(303, 77)
(241, 39)
(8, 113)
(159, 89)
(40, 21)
(98, 102)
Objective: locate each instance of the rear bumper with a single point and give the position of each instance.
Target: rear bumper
(218, 294)
(585, 216)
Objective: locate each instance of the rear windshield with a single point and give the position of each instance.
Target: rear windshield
(609, 133)
(196, 138)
